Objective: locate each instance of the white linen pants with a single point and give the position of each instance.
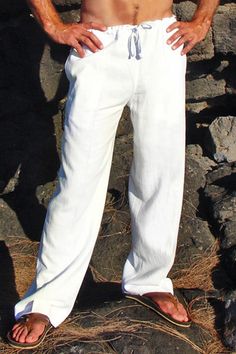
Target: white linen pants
(139, 69)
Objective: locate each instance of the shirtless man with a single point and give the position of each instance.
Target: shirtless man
(123, 52)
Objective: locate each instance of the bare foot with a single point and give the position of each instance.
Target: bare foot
(30, 329)
(170, 305)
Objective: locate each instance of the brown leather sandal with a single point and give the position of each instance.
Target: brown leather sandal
(26, 320)
(146, 300)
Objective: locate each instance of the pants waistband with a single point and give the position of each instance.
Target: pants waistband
(152, 23)
(134, 43)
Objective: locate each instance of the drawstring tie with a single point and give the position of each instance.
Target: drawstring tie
(134, 43)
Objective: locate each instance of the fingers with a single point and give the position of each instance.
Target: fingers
(94, 25)
(75, 44)
(187, 34)
(89, 43)
(173, 26)
(175, 36)
(93, 43)
(185, 40)
(187, 48)
(84, 35)
(91, 38)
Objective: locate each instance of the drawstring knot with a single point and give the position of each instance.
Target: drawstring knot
(134, 44)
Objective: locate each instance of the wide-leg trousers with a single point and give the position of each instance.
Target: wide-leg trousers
(136, 68)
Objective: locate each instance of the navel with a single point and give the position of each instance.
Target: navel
(136, 10)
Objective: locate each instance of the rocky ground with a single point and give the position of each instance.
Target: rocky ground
(102, 320)
(33, 93)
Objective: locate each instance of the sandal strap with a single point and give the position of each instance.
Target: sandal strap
(40, 318)
(164, 296)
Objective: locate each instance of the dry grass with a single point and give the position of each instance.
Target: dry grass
(97, 276)
(104, 331)
(22, 245)
(110, 330)
(203, 315)
(199, 273)
(23, 253)
(71, 332)
(172, 332)
(215, 347)
(24, 272)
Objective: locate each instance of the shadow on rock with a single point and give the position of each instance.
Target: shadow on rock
(220, 195)
(94, 294)
(8, 292)
(29, 118)
(229, 332)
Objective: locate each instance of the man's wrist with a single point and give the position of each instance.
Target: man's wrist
(46, 15)
(50, 27)
(203, 18)
(205, 11)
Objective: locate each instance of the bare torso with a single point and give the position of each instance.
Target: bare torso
(115, 12)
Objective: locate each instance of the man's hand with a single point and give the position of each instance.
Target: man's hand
(77, 34)
(187, 33)
(73, 34)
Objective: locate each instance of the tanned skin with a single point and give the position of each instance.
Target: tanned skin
(99, 14)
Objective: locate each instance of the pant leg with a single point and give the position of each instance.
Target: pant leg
(157, 172)
(95, 102)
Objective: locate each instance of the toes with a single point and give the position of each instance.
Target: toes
(30, 330)
(181, 316)
(33, 336)
(183, 313)
(175, 310)
(21, 335)
(17, 325)
(15, 331)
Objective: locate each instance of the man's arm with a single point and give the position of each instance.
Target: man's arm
(190, 33)
(72, 34)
